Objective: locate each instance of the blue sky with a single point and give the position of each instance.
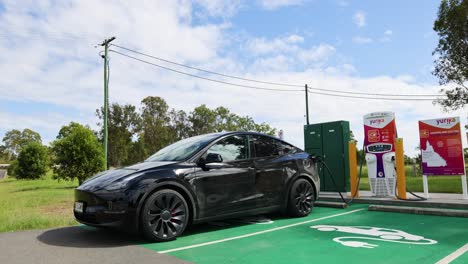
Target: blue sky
(52, 73)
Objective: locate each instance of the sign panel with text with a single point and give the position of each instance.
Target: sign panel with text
(441, 146)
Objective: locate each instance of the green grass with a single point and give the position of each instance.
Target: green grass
(437, 184)
(45, 203)
(34, 204)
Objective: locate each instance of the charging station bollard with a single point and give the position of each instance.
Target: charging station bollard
(400, 168)
(353, 178)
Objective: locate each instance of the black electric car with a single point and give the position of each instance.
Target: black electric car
(198, 179)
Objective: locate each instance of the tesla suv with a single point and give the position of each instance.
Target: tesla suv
(198, 179)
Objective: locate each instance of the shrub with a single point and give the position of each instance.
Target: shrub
(77, 153)
(32, 162)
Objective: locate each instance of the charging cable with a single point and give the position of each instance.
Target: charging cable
(319, 159)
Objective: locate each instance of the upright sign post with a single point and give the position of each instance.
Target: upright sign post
(442, 150)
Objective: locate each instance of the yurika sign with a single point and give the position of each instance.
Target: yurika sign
(441, 146)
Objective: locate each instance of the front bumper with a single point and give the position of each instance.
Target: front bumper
(101, 209)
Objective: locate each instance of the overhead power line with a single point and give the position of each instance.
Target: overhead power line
(272, 83)
(204, 78)
(375, 98)
(377, 94)
(309, 90)
(207, 71)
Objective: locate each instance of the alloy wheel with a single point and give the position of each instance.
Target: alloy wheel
(304, 197)
(166, 215)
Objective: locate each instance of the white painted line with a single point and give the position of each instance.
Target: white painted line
(454, 255)
(257, 233)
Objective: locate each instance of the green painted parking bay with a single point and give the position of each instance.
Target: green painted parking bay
(352, 235)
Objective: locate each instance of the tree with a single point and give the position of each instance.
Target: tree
(155, 123)
(137, 152)
(3, 155)
(123, 122)
(179, 125)
(203, 120)
(33, 161)
(451, 64)
(14, 140)
(77, 152)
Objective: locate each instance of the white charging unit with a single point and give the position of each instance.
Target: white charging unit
(379, 138)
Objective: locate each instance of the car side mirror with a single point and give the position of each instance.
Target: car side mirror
(213, 158)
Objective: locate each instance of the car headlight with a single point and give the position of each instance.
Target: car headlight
(121, 183)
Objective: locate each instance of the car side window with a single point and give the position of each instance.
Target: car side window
(264, 147)
(231, 148)
(285, 149)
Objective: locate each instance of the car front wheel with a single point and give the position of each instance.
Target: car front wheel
(301, 198)
(165, 215)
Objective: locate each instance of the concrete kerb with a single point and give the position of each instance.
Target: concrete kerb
(331, 204)
(445, 201)
(418, 210)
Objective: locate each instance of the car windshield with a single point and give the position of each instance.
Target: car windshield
(182, 149)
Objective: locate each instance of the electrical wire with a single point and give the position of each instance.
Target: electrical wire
(331, 176)
(418, 198)
(205, 78)
(263, 88)
(377, 94)
(207, 71)
(376, 98)
(265, 82)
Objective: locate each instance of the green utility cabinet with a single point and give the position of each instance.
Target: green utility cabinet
(330, 141)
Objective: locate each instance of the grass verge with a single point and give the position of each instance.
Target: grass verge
(437, 184)
(34, 204)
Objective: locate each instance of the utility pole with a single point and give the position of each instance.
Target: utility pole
(307, 104)
(105, 44)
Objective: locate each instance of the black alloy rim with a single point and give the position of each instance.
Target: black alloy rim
(167, 215)
(304, 197)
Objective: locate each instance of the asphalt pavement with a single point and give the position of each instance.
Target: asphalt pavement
(77, 245)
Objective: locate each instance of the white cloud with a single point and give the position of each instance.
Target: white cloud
(222, 8)
(289, 45)
(50, 58)
(295, 39)
(275, 4)
(362, 40)
(359, 18)
(387, 36)
(317, 53)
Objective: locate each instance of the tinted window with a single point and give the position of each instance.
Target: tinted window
(285, 149)
(182, 149)
(264, 147)
(231, 148)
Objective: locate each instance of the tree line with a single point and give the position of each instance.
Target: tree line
(133, 135)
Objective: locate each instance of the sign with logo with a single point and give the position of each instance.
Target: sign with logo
(441, 146)
(379, 137)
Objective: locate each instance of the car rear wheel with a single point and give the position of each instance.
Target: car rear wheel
(165, 215)
(301, 198)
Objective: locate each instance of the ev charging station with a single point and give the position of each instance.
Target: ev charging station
(379, 144)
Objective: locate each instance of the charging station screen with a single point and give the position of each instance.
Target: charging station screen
(376, 148)
(441, 146)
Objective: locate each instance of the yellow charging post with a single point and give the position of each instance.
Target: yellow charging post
(400, 168)
(353, 169)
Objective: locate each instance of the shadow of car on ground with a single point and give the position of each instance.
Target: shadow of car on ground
(92, 237)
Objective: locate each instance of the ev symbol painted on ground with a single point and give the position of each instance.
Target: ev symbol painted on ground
(373, 233)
